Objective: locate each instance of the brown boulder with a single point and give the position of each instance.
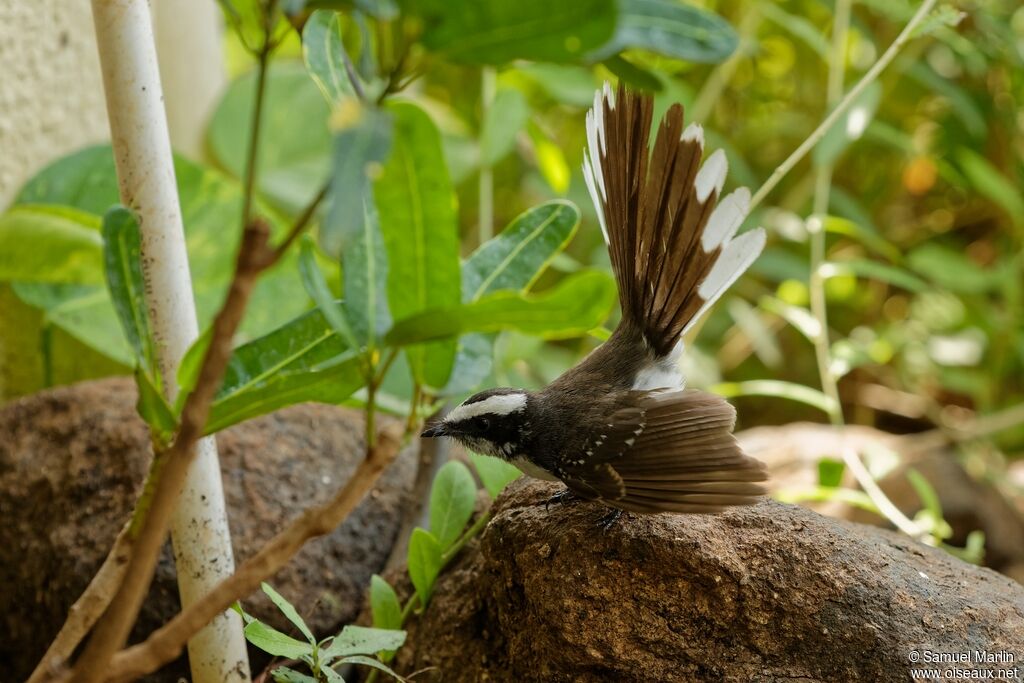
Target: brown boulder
(771, 592)
(72, 460)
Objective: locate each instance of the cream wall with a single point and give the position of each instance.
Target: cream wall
(51, 95)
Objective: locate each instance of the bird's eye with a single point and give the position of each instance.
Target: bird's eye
(485, 424)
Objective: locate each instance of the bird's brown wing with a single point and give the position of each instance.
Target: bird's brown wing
(666, 451)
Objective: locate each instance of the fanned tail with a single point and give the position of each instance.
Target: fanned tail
(671, 240)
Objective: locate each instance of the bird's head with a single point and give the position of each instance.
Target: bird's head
(493, 422)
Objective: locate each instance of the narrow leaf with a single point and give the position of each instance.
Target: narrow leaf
(424, 562)
(283, 674)
(780, 389)
(875, 271)
(322, 50)
(452, 498)
(153, 408)
(578, 304)
(495, 473)
(123, 263)
(288, 610)
(416, 204)
(387, 612)
(274, 642)
(671, 29)
(505, 117)
(373, 664)
(316, 286)
(360, 640)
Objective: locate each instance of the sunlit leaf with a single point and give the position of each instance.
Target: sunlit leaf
(283, 674)
(274, 642)
(153, 408)
(387, 612)
(416, 204)
(951, 269)
(495, 473)
(631, 74)
(672, 29)
(578, 304)
(875, 271)
(452, 498)
(779, 389)
(497, 31)
(42, 243)
(360, 640)
(830, 472)
(550, 161)
(322, 50)
(424, 562)
(288, 610)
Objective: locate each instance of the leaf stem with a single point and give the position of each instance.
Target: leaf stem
(870, 77)
(263, 66)
(485, 209)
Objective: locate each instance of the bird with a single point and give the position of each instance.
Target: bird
(620, 427)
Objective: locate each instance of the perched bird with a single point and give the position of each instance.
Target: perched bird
(619, 427)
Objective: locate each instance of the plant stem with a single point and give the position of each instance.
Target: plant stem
(252, 157)
(870, 77)
(485, 209)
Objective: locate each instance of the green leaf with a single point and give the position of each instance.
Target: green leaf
(364, 268)
(274, 642)
(864, 233)
(578, 304)
(283, 674)
(361, 144)
(372, 663)
(331, 675)
(189, 367)
(360, 640)
(497, 31)
(387, 612)
(122, 259)
(288, 610)
(850, 126)
(506, 116)
(153, 408)
(779, 389)
(671, 29)
(874, 270)
(424, 562)
(952, 269)
(294, 152)
(316, 286)
(210, 204)
(522, 252)
(452, 498)
(495, 473)
(416, 204)
(322, 50)
(634, 75)
(304, 360)
(990, 183)
(50, 244)
(830, 472)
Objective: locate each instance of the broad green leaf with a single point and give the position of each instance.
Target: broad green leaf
(153, 408)
(849, 127)
(274, 642)
(495, 473)
(989, 182)
(497, 31)
(322, 49)
(424, 562)
(50, 244)
(671, 29)
(580, 303)
(506, 116)
(416, 204)
(283, 674)
(288, 610)
(519, 255)
(361, 144)
(830, 472)
(211, 206)
(779, 389)
(387, 612)
(295, 144)
(452, 498)
(372, 663)
(122, 260)
(360, 640)
(474, 358)
(316, 286)
(875, 271)
(304, 360)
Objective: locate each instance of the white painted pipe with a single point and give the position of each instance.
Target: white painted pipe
(145, 171)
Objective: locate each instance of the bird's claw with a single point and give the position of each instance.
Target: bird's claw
(608, 519)
(562, 497)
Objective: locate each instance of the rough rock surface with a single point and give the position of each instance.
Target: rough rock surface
(768, 593)
(72, 460)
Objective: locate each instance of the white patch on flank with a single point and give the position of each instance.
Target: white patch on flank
(499, 404)
(711, 175)
(528, 468)
(663, 373)
(725, 219)
(694, 133)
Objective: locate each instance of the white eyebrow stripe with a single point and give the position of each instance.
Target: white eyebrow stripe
(499, 404)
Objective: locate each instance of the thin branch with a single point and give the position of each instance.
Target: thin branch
(87, 609)
(166, 643)
(301, 223)
(870, 77)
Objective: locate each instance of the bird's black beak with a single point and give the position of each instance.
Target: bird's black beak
(435, 430)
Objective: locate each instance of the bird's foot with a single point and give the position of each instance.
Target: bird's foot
(562, 497)
(608, 519)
